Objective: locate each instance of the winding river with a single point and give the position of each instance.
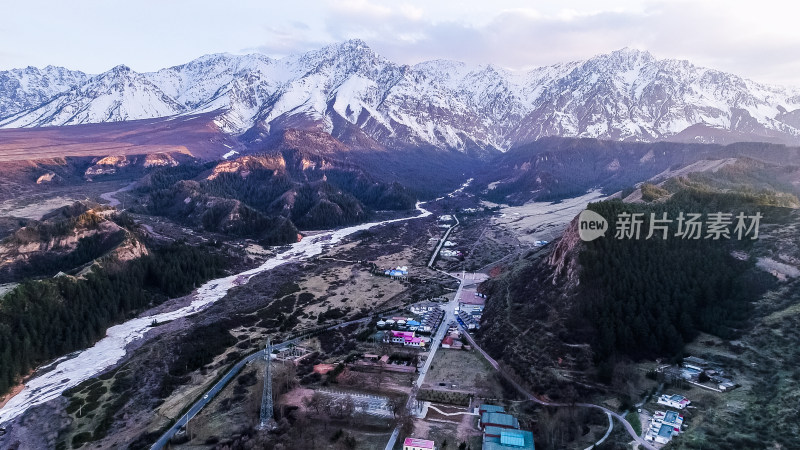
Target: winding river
(75, 368)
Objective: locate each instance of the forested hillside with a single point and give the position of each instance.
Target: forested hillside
(41, 320)
(582, 307)
(647, 297)
(270, 196)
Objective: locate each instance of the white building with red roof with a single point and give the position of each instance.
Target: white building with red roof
(418, 444)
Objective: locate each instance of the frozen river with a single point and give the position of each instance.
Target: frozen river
(75, 368)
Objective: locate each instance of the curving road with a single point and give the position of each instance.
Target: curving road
(534, 399)
(605, 436)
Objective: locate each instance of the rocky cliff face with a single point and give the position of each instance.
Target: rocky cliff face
(563, 259)
(111, 164)
(245, 164)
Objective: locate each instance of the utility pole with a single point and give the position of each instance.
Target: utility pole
(267, 417)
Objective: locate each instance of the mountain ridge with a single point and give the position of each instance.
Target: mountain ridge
(347, 89)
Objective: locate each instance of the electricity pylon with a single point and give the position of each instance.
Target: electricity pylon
(267, 420)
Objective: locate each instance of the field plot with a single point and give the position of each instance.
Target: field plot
(462, 371)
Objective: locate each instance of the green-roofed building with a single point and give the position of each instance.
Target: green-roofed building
(500, 420)
(509, 440)
(490, 408)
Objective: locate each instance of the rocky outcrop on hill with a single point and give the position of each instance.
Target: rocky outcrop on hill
(112, 164)
(563, 258)
(245, 164)
(66, 239)
(528, 323)
(49, 177)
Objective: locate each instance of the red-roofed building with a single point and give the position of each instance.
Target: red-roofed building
(405, 338)
(418, 444)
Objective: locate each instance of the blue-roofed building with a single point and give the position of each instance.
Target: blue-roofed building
(498, 419)
(508, 440)
(397, 272)
(493, 431)
(665, 425)
(513, 438)
(671, 418)
(664, 434)
(490, 408)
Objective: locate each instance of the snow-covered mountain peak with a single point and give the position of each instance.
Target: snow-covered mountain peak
(22, 89)
(350, 91)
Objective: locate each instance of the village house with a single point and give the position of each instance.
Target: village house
(508, 439)
(663, 435)
(398, 272)
(674, 401)
(693, 362)
(418, 444)
(471, 303)
(672, 419)
(405, 338)
(467, 321)
(490, 408)
(451, 342)
(664, 426)
(422, 308)
(501, 431)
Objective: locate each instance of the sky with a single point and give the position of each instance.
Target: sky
(756, 39)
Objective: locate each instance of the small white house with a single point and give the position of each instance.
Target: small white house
(674, 401)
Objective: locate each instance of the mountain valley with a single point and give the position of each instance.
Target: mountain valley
(158, 228)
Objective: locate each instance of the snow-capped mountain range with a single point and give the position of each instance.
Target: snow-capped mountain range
(362, 98)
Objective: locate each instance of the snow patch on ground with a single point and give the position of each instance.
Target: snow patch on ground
(73, 369)
(779, 269)
(545, 221)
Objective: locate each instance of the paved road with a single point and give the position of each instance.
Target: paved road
(605, 436)
(534, 399)
(449, 316)
(466, 279)
(393, 438)
(442, 241)
(219, 385)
